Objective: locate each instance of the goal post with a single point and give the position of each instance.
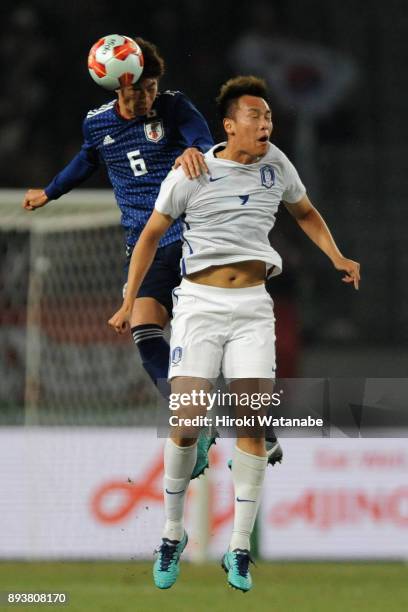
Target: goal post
(62, 277)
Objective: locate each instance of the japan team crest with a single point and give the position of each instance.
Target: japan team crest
(267, 176)
(154, 131)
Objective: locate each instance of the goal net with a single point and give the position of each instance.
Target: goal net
(61, 280)
(64, 369)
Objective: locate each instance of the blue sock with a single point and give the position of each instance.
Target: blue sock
(154, 352)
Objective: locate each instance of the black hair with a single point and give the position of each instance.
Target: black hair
(153, 66)
(234, 88)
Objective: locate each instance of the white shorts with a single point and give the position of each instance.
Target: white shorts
(217, 330)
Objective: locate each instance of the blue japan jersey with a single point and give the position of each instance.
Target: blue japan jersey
(138, 155)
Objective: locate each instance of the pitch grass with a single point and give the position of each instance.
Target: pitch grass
(285, 587)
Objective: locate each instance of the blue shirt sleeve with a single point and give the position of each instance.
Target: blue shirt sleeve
(192, 125)
(81, 167)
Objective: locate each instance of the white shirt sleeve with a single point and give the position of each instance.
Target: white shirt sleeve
(294, 188)
(173, 196)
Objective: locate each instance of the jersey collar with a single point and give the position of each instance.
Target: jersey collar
(229, 162)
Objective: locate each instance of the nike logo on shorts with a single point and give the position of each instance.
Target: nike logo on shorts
(174, 492)
(245, 500)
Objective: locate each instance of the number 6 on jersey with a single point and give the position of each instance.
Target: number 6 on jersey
(137, 163)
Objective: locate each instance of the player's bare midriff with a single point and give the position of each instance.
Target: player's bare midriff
(236, 275)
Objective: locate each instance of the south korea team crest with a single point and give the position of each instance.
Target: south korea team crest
(154, 131)
(176, 355)
(267, 176)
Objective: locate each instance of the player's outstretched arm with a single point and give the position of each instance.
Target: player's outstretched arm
(34, 198)
(80, 168)
(314, 226)
(140, 262)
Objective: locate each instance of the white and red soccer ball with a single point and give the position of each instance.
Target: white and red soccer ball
(115, 61)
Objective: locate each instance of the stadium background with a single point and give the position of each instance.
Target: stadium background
(354, 166)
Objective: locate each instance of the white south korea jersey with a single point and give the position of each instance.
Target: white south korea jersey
(229, 213)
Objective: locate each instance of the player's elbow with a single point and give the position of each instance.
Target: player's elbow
(306, 214)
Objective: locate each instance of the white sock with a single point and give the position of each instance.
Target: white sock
(179, 462)
(248, 473)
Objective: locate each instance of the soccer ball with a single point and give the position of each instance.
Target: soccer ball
(115, 61)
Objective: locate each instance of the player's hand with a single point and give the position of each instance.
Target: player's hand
(352, 270)
(34, 198)
(120, 321)
(193, 163)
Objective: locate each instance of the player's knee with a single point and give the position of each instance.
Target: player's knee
(149, 311)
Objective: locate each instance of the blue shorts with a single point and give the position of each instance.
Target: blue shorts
(163, 275)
